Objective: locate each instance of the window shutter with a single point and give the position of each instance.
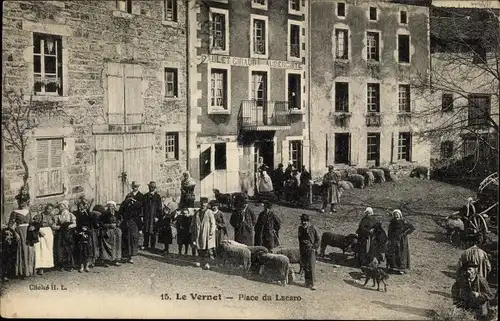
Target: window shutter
(349, 150)
(49, 165)
(205, 161)
(134, 101)
(176, 149)
(115, 93)
(42, 155)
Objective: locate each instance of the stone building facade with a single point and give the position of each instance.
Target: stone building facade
(364, 56)
(249, 94)
(117, 70)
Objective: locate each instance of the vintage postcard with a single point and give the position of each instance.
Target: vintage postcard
(250, 159)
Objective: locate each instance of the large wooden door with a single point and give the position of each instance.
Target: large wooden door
(120, 159)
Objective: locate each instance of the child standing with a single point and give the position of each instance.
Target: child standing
(182, 223)
(164, 229)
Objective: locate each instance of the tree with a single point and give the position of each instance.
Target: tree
(461, 91)
(19, 117)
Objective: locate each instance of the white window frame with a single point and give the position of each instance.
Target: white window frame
(337, 10)
(49, 156)
(403, 149)
(175, 13)
(368, 98)
(290, 151)
(217, 109)
(121, 5)
(376, 13)
(259, 6)
(254, 17)
(265, 69)
(170, 143)
(289, 44)
(407, 18)
(337, 43)
(299, 73)
(225, 13)
(292, 11)
(176, 81)
(402, 98)
(409, 47)
(378, 46)
(42, 74)
(368, 144)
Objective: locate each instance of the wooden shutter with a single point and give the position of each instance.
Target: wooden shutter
(115, 93)
(205, 162)
(176, 149)
(349, 149)
(49, 167)
(233, 167)
(134, 101)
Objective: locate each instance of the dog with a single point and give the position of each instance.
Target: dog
(377, 274)
(224, 199)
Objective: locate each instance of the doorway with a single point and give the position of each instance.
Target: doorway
(264, 149)
(294, 91)
(342, 148)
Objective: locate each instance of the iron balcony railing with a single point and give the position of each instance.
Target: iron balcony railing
(373, 119)
(264, 113)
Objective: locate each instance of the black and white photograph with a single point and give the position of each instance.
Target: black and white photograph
(250, 159)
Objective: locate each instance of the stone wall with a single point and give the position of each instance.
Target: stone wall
(93, 34)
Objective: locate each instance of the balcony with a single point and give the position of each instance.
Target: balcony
(373, 119)
(264, 115)
(404, 118)
(341, 119)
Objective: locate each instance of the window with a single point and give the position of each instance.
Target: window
(479, 109)
(294, 5)
(296, 153)
(295, 41)
(404, 98)
(219, 31)
(124, 5)
(259, 88)
(294, 91)
(372, 44)
(403, 17)
(373, 98)
(340, 9)
(218, 89)
(373, 147)
(373, 13)
(404, 147)
(342, 148)
(404, 48)
(446, 149)
(170, 10)
(259, 36)
(341, 43)
(171, 82)
(49, 165)
(47, 64)
(220, 157)
(259, 4)
(341, 97)
(447, 102)
(172, 146)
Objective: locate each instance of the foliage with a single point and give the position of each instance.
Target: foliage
(445, 313)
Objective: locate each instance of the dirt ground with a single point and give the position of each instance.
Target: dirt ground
(135, 290)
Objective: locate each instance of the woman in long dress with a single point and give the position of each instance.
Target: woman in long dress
(164, 229)
(332, 197)
(183, 224)
(44, 248)
(111, 236)
(84, 237)
(366, 236)
(398, 254)
(96, 213)
(64, 225)
(265, 185)
(187, 191)
(19, 222)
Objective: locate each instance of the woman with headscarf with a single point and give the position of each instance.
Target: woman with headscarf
(187, 191)
(332, 196)
(20, 222)
(365, 236)
(111, 236)
(64, 225)
(398, 254)
(95, 214)
(44, 249)
(85, 235)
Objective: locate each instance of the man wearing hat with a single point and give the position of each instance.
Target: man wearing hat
(267, 228)
(152, 209)
(478, 256)
(472, 292)
(308, 244)
(243, 221)
(202, 230)
(331, 196)
(136, 203)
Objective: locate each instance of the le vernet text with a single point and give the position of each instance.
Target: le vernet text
(219, 297)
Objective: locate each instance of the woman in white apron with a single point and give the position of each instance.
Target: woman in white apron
(44, 249)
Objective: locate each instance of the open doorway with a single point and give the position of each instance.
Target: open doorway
(342, 148)
(264, 149)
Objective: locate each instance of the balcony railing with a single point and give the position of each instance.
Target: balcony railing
(264, 115)
(342, 119)
(404, 118)
(295, 50)
(373, 119)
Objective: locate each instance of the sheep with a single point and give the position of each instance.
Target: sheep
(454, 228)
(346, 185)
(392, 178)
(235, 253)
(387, 172)
(367, 174)
(343, 242)
(273, 265)
(254, 251)
(357, 180)
(340, 174)
(293, 255)
(351, 170)
(379, 175)
(420, 172)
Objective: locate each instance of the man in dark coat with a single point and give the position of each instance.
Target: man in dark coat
(243, 221)
(278, 180)
(472, 292)
(308, 244)
(129, 215)
(152, 209)
(136, 207)
(267, 228)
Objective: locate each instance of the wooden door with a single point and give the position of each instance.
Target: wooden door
(109, 168)
(233, 167)
(206, 172)
(138, 159)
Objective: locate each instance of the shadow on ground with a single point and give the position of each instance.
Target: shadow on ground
(338, 259)
(360, 286)
(441, 293)
(405, 309)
